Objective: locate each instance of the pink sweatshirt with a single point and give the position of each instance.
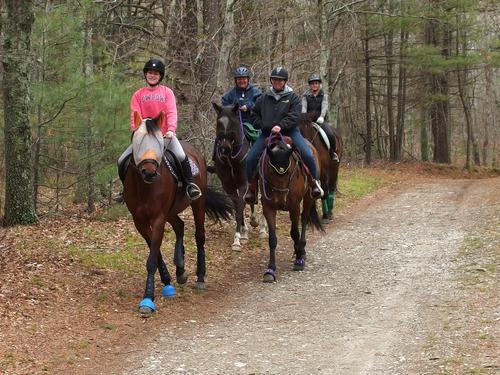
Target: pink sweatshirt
(149, 102)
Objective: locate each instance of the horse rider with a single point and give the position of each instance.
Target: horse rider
(244, 94)
(315, 100)
(278, 111)
(150, 101)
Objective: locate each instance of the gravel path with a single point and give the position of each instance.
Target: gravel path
(366, 303)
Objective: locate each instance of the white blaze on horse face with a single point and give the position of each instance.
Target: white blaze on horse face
(224, 121)
(147, 146)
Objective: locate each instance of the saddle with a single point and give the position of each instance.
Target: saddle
(323, 135)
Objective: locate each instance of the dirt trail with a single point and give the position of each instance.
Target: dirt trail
(384, 292)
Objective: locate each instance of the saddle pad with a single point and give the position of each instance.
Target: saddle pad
(323, 135)
(173, 168)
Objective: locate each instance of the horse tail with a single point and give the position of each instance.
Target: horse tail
(218, 206)
(314, 218)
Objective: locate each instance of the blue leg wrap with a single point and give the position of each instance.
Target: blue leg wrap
(147, 302)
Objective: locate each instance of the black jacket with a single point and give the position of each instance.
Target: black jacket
(282, 109)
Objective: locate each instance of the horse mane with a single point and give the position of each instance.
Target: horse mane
(152, 125)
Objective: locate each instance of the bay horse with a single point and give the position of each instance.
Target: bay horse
(329, 168)
(153, 197)
(284, 185)
(230, 166)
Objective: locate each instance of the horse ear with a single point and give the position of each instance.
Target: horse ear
(137, 119)
(217, 107)
(159, 119)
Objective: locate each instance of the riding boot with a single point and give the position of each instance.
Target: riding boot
(251, 193)
(192, 190)
(316, 190)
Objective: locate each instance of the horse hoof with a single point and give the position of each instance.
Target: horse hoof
(325, 220)
(236, 247)
(168, 291)
(262, 235)
(182, 279)
(244, 240)
(299, 265)
(146, 307)
(200, 285)
(254, 223)
(269, 276)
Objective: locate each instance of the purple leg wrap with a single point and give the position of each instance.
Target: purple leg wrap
(270, 272)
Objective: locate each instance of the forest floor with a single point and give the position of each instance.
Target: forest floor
(70, 285)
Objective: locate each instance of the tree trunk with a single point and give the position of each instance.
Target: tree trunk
(368, 140)
(88, 73)
(389, 37)
(227, 45)
(19, 207)
(400, 122)
(438, 36)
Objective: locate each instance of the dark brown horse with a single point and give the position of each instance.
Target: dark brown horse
(284, 186)
(329, 168)
(153, 197)
(230, 166)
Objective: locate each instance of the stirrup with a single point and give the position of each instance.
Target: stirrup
(193, 191)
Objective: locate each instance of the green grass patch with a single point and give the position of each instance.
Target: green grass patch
(355, 184)
(128, 260)
(114, 212)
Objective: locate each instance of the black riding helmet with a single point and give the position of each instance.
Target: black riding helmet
(280, 73)
(155, 65)
(241, 72)
(314, 78)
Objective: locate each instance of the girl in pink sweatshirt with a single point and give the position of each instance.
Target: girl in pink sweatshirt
(149, 102)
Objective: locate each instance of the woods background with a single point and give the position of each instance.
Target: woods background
(407, 80)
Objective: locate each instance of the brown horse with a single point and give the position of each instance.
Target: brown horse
(284, 185)
(329, 168)
(230, 156)
(153, 197)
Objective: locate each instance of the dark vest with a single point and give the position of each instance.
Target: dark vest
(314, 103)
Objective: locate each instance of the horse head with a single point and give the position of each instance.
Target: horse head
(279, 150)
(229, 129)
(305, 124)
(147, 146)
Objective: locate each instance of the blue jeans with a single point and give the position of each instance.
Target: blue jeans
(299, 142)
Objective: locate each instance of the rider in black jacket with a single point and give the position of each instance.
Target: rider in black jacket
(277, 111)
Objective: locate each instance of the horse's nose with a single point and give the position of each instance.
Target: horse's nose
(149, 176)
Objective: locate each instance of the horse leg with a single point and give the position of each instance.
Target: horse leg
(331, 204)
(294, 213)
(253, 219)
(168, 289)
(198, 207)
(238, 205)
(146, 307)
(270, 215)
(178, 227)
(241, 208)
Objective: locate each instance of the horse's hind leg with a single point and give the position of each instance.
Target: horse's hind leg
(178, 227)
(298, 240)
(198, 207)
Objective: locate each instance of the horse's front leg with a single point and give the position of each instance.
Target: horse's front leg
(270, 215)
(168, 289)
(147, 306)
(238, 205)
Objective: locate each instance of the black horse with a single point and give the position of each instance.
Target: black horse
(230, 166)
